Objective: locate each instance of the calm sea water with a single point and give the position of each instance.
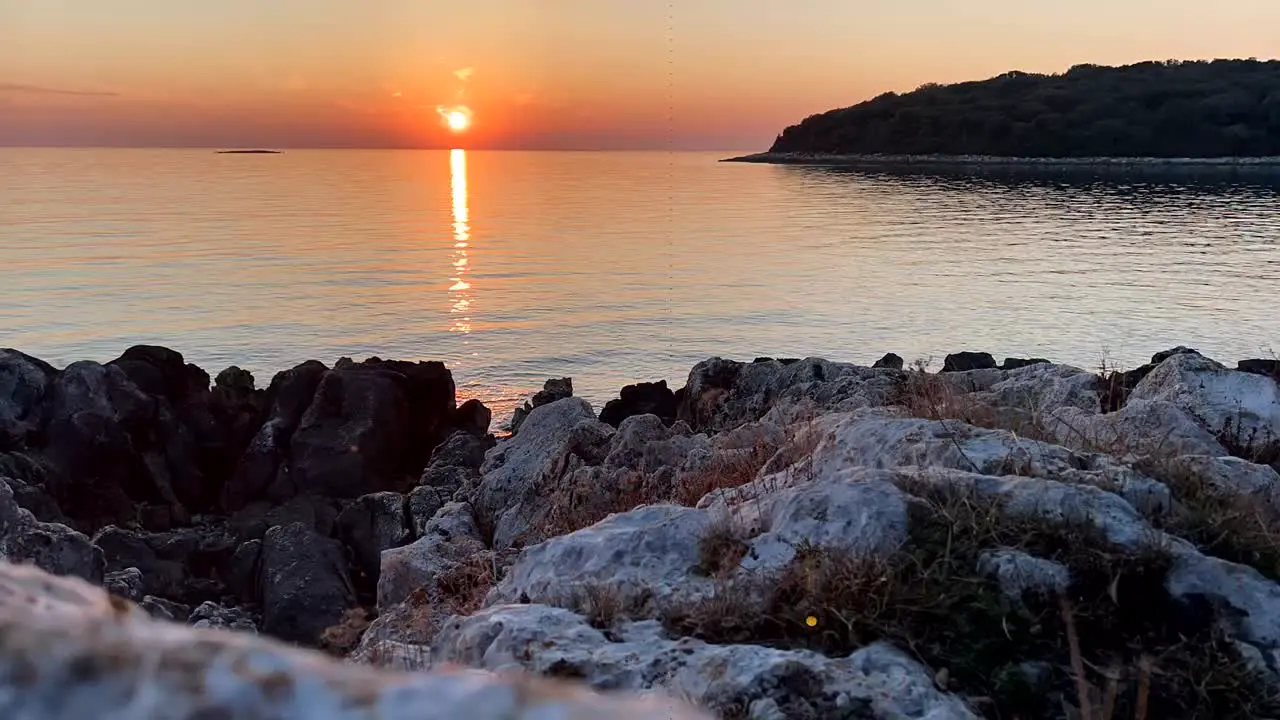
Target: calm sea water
(613, 267)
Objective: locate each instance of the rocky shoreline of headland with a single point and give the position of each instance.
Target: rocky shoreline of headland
(774, 539)
(1264, 165)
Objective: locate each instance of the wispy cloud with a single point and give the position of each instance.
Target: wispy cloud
(464, 74)
(8, 87)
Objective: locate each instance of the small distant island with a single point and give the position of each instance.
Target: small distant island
(1223, 112)
(250, 152)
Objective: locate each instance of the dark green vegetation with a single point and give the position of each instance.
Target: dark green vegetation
(1224, 108)
(1115, 636)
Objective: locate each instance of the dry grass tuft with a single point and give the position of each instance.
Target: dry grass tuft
(928, 599)
(729, 469)
(463, 587)
(341, 639)
(1260, 447)
(723, 546)
(573, 508)
(936, 397)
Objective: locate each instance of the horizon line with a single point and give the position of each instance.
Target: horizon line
(282, 149)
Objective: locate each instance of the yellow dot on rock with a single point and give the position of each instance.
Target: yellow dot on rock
(811, 621)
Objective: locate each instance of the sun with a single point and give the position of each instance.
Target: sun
(456, 118)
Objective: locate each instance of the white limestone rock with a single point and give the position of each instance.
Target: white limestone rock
(877, 681)
(1239, 405)
(864, 518)
(1018, 573)
(1046, 387)
(856, 441)
(449, 538)
(1230, 475)
(649, 556)
(1141, 427)
(513, 496)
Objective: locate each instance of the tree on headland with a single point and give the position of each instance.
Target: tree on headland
(1172, 108)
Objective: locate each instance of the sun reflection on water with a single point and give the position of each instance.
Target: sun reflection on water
(459, 291)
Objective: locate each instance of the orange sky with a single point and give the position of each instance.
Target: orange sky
(715, 74)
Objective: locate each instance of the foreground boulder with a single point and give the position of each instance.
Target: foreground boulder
(68, 651)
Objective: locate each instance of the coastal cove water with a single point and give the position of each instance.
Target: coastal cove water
(615, 267)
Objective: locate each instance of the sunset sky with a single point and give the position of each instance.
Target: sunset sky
(577, 74)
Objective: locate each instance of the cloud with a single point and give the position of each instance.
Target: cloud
(464, 74)
(7, 87)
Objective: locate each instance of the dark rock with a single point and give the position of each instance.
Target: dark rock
(473, 417)
(239, 410)
(371, 427)
(267, 455)
(162, 609)
(553, 390)
(641, 399)
(125, 549)
(194, 445)
(371, 524)
(54, 548)
(305, 586)
(126, 583)
(964, 361)
(317, 513)
(1269, 368)
(1166, 354)
(890, 361)
(244, 571)
(162, 372)
(214, 616)
(710, 382)
(424, 502)
(101, 446)
(35, 500)
(31, 470)
(184, 565)
(1015, 363)
(25, 382)
(1129, 379)
(157, 518)
(462, 450)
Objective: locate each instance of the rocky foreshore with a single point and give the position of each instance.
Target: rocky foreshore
(775, 539)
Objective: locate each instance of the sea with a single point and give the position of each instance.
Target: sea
(613, 267)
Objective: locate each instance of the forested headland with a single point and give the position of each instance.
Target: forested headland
(1168, 109)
